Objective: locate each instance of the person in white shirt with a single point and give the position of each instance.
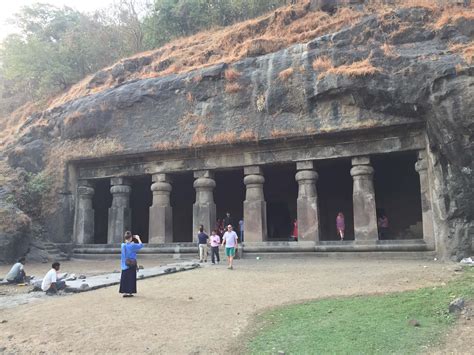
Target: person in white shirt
(51, 284)
(230, 241)
(17, 272)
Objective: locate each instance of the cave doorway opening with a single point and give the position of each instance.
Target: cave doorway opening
(182, 198)
(398, 195)
(334, 188)
(141, 199)
(229, 196)
(281, 192)
(101, 202)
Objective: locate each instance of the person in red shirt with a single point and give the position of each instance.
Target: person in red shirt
(294, 233)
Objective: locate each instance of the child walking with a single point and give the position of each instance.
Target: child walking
(215, 243)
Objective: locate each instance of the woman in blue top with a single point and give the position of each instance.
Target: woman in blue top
(128, 279)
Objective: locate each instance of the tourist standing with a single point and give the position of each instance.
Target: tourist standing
(128, 278)
(51, 284)
(294, 232)
(215, 243)
(340, 225)
(230, 241)
(17, 273)
(228, 220)
(203, 239)
(241, 228)
(382, 223)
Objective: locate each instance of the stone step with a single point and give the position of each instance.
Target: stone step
(92, 256)
(146, 250)
(381, 255)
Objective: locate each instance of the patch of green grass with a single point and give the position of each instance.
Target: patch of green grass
(361, 325)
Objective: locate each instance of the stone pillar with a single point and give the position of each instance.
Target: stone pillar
(204, 209)
(421, 167)
(363, 195)
(255, 207)
(161, 212)
(120, 214)
(307, 202)
(84, 220)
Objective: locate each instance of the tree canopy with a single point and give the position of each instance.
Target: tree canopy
(57, 47)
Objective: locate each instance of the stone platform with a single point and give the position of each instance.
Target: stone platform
(99, 281)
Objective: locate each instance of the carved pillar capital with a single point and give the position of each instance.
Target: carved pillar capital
(120, 214)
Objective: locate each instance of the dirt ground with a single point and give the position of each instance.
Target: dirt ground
(203, 311)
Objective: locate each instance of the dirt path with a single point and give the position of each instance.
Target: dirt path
(177, 314)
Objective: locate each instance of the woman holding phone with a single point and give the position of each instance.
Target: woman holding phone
(128, 278)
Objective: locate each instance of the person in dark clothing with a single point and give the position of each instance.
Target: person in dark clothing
(228, 220)
(203, 239)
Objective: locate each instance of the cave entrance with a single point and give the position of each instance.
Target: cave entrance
(281, 193)
(229, 196)
(398, 194)
(141, 199)
(334, 188)
(101, 202)
(182, 199)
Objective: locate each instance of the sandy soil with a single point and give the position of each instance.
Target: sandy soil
(202, 311)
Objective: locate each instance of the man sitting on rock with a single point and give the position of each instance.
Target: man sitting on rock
(51, 284)
(17, 275)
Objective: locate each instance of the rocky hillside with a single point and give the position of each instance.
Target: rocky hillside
(295, 72)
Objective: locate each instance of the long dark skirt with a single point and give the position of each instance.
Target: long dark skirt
(128, 281)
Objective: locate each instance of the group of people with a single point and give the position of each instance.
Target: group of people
(229, 240)
(221, 225)
(132, 244)
(50, 284)
(382, 224)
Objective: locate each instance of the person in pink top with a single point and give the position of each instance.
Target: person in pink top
(215, 243)
(340, 225)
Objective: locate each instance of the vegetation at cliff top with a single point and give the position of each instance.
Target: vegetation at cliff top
(57, 47)
(58, 50)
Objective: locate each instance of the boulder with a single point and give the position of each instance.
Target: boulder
(456, 306)
(15, 228)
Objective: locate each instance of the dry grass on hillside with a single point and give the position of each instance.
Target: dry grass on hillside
(268, 33)
(321, 64)
(466, 51)
(232, 74)
(248, 135)
(232, 88)
(361, 68)
(224, 137)
(199, 137)
(286, 74)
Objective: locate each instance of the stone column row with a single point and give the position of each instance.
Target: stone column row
(255, 216)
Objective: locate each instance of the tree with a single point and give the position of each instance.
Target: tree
(56, 48)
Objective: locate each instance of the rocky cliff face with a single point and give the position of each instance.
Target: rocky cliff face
(403, 66)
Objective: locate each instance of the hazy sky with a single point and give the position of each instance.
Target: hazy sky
(10, 7)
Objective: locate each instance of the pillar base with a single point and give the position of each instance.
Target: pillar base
(161, 225)
(308, 226)
(255, 217)
(85, 227)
